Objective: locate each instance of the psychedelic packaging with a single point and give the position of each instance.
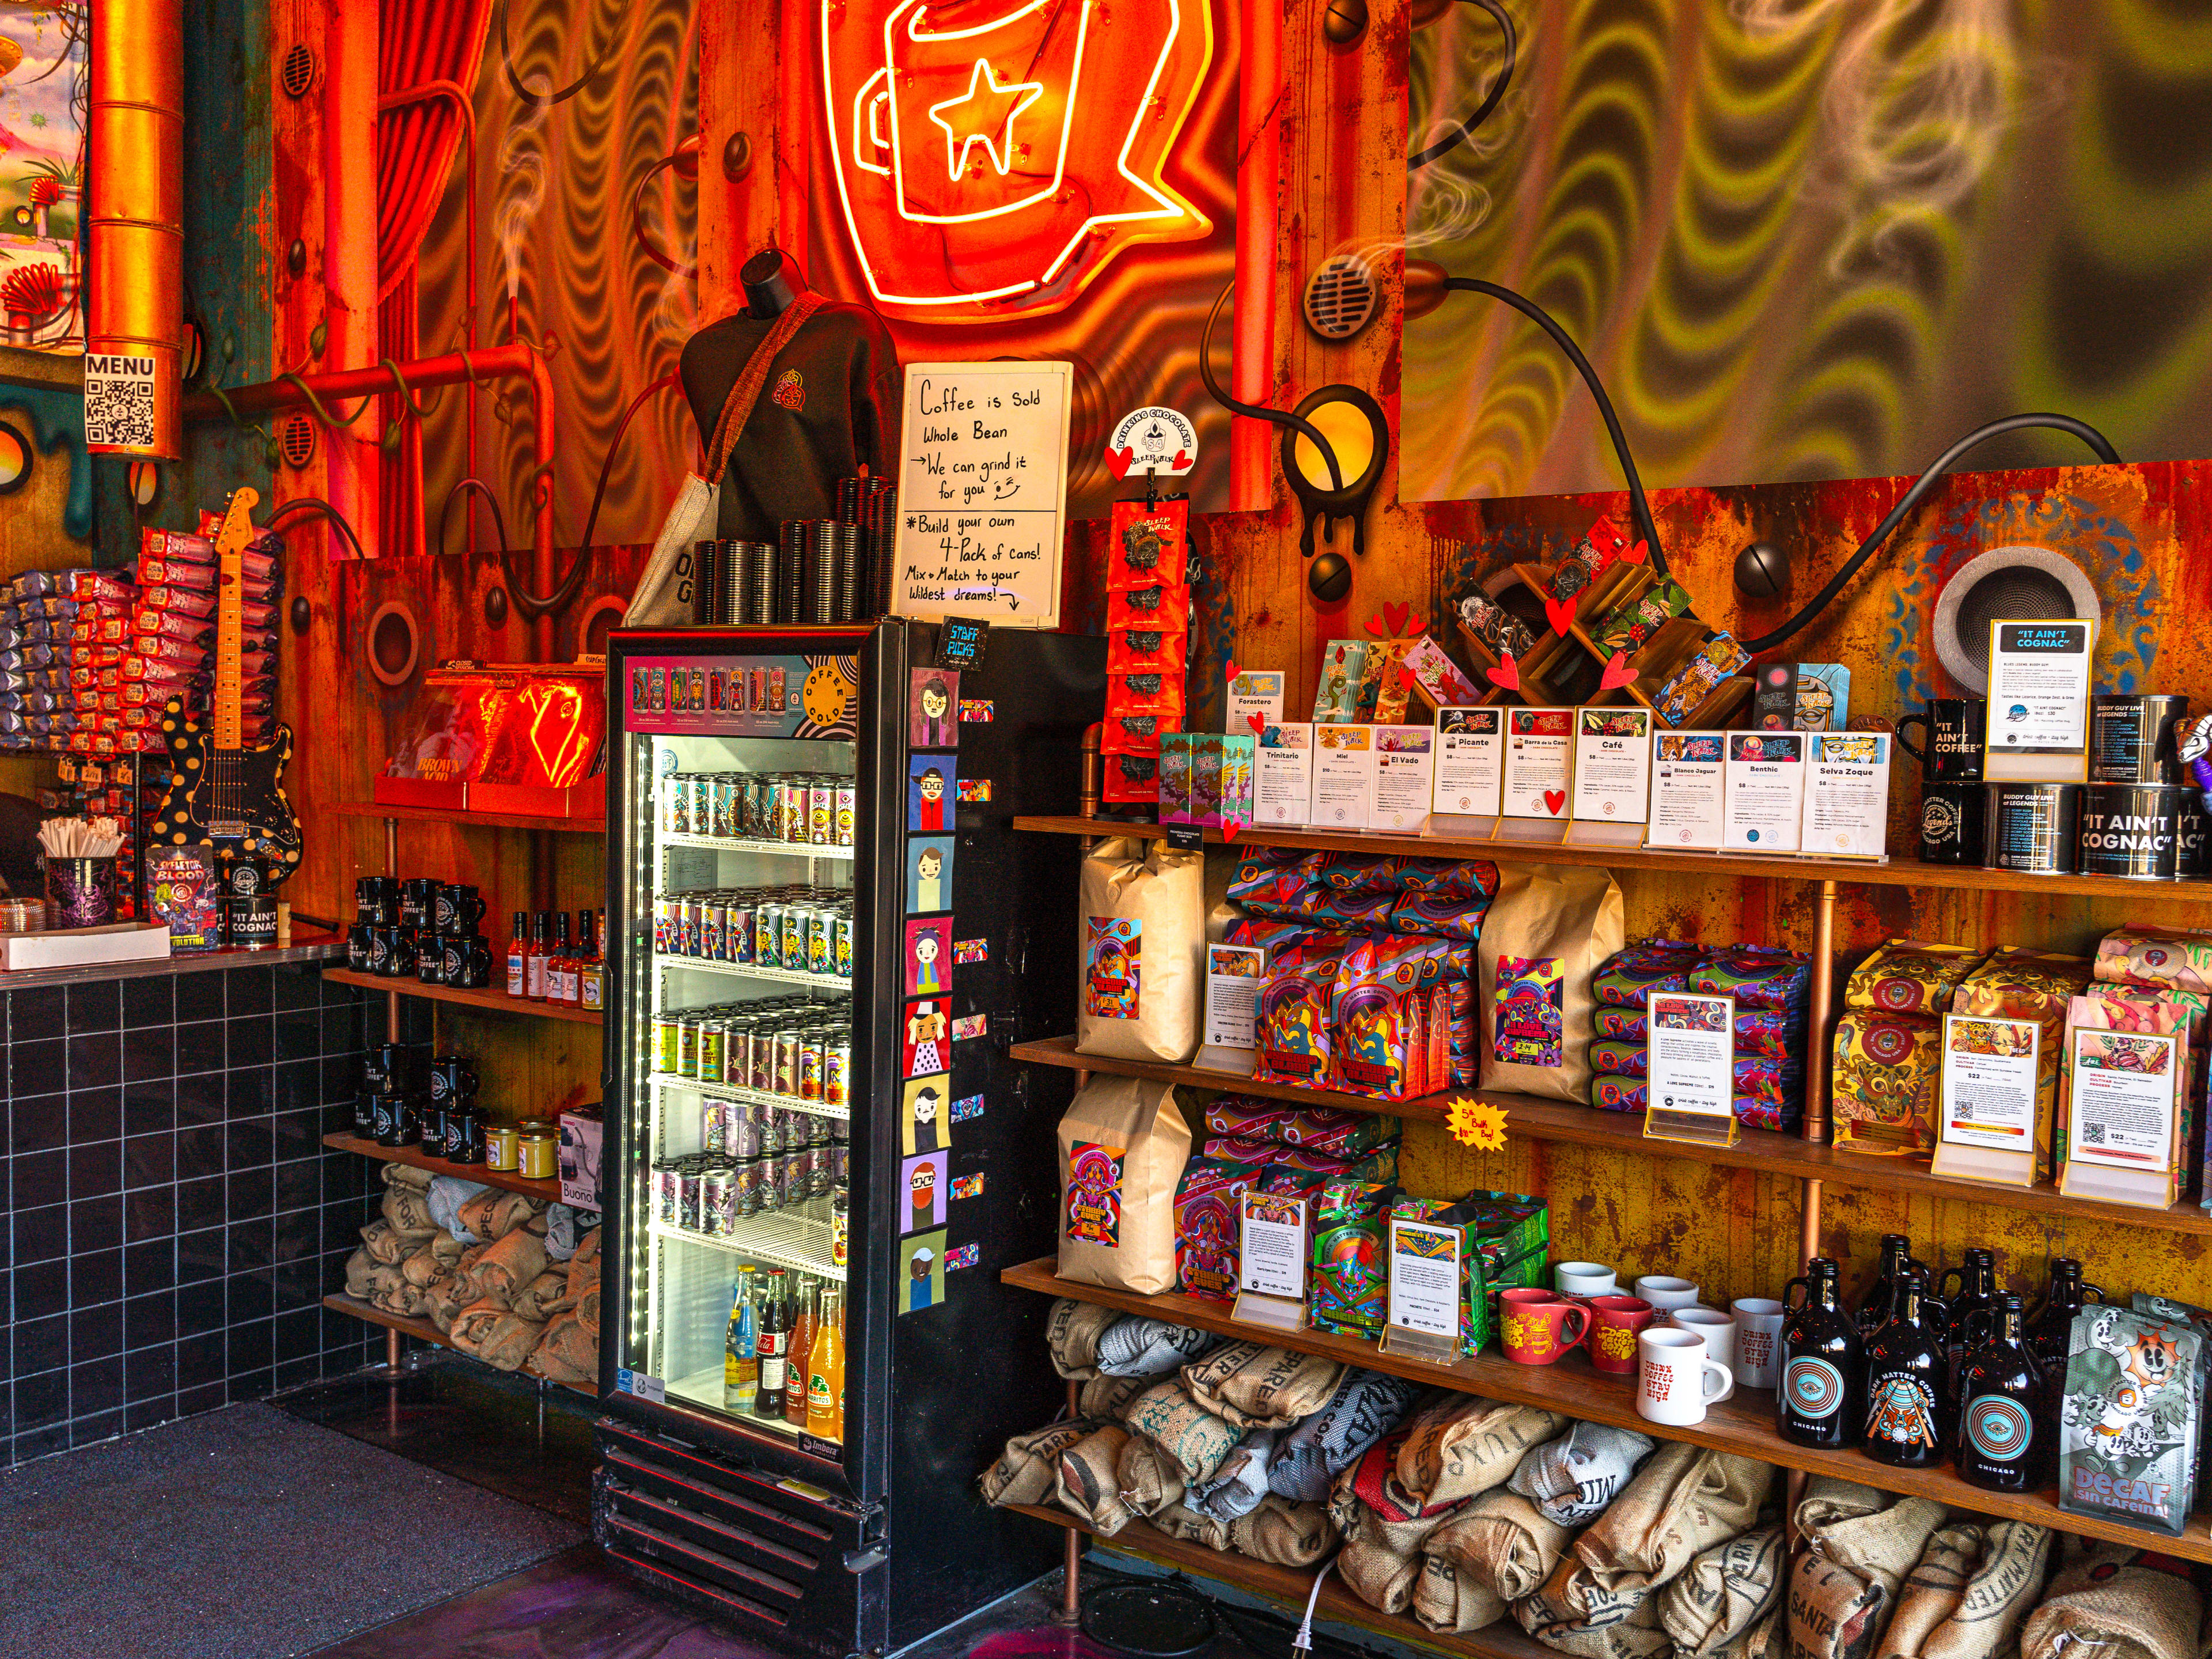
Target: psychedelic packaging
(1332, 1134)
(1499, 628)
(1348, 1290)
(1296, 1043)
(1905, 976)
(181, 890)
(2016, 984)
(1888, 1072)
(1377, 1164)
(1343, 664)
(1381, 700)
(2131, 1418)
(1208, 1224)
(2136, 955)
(1630, 625)
(1505, 1243)
(1598, 548)
(1686, 690)
(1148, 622)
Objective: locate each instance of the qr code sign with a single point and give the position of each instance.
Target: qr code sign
(2092, 1135)
(118, 403)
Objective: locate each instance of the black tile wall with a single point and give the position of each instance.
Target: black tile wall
(171, 1219)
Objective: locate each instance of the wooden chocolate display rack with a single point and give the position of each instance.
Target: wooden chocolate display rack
(415, 1158)
(1744, 1424)
(407, 985)
(1765, 1150)
(423, 1331)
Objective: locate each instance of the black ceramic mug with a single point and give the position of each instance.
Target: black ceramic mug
(1956, 727)
(392, 1067)
(1951, 822)
(451, 1079)
(357, 947)
(376, 899)
(468, 963)
(418, 900)
(429, 957)
(459, 909)
(396, 1122)
(464, 1134)
(392, 950)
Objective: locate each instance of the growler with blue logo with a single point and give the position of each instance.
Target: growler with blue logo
(1822, 1399)
(1908, 1420)
(2005, 1437)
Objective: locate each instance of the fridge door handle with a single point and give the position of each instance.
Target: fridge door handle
(859, 1561)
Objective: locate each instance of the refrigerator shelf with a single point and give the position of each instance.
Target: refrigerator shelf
(778, 1239)
(746, 970)
(705, 1389)
(796, 849)
(666, 1080)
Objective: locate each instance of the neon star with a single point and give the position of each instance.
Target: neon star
(1010, 97)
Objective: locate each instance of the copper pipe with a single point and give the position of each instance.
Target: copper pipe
(450, 92)
(482, 363)
(1260, 91)
(1809, 1225)
(1070, 1581)
(136, 223)
(1816, 1124)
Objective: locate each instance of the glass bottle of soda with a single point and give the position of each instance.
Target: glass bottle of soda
(1907, 1381)
(1874, 1307)
(2005, 1437)
(803, 1316)
(2050, 1328)
(774, 1348)
(741, 1347)
(1821, 1401)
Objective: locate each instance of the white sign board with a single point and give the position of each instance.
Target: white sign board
(982, 492)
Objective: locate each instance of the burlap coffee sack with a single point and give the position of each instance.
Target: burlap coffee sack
(507, 1343)
(1026, 1469)
(1377, 1574)
(362, 1271)
(1085, 1481)
(2116, 1601)
(1151, 1480)
(1682, 1502)
(584, 1266)
(1630, 1633)
(1573, 1477)
(1366, 1406)
(1856, 1548)
(507, 1267)
(1189, 1525)
(568, 1351)
(1071, 1334)
(1241, 1482)
(1108, 1397)
(1369, 1501)
(1767, 1639)
(1136, 1346)
(387, 1245)
(543, 1296)
(407, 1210)
(587, 1309)
(1288, 1535)
(491, 1215)
(406, 1175)
(439, 1255)
(1504, 1540)
(1194, 1436)
(1259, 1388)
(1717, 1600)
(1447, 1597)
(397, 1295)
(1458, 1445)
(1969, 1592)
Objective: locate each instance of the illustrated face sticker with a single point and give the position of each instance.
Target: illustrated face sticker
(924, 1182)
(926, 1042)
(928, 957)
(922, 1126)
(921, 1272)
(930, 792)
(928, 874)
(932, 709)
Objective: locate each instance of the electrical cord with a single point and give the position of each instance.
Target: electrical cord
(1923, 487)
(1462, 131)
(1304, 427)
(1639, 510)
(507, 62)
(318, 507)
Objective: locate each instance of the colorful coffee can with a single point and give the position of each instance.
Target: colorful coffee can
(2134, 740)
(2132, 830)
(2034, 829)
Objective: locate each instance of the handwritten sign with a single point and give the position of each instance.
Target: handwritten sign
(983, 491)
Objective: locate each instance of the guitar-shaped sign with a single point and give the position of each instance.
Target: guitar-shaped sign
(220, 791)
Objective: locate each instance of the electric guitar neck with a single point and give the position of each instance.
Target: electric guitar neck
(227, 713)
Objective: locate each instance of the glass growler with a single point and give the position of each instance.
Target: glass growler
(1976, 1299)
(1881, 1295)
(1907, 1381)
(2050, 1328)
(2006, 1434)
(1821, 1401)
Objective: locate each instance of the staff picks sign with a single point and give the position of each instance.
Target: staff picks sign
(997, 153)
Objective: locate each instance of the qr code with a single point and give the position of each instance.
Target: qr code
(118, 411)
(2092, 1135)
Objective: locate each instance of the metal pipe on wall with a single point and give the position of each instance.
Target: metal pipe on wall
(135, 301)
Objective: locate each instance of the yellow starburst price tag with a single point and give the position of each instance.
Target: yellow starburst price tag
(1477, 1124)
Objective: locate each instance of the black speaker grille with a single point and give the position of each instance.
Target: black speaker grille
(2017, 590)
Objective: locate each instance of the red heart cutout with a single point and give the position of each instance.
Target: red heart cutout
(1560, 613)
(1554, 799)
(1507, 674)
(1638, 554)
(1258, 723)
(1118, 461)
(1617, 673)
(1398, 616)
(1406, 681)
(1232, 668)
(1181, 462)
(1231, 827)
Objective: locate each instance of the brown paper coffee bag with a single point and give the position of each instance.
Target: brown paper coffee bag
(1142, 917)
(1122, 1146)
(1548, 931)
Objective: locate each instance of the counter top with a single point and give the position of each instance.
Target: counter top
(309, 944)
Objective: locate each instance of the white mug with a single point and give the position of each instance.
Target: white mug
(1584, 1278)
(1717, 1331)
(1667, 1294)
(1675, 1377)
(1757, 1359)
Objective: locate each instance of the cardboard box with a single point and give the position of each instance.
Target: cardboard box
(582, 1148)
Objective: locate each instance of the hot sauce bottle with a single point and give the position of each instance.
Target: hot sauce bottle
(518, 957)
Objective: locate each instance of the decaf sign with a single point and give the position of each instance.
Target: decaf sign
(982, 492)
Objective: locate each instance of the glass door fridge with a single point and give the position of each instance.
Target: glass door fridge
(821, 927)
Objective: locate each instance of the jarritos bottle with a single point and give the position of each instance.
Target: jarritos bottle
(1822, 1399)
(1907, 1381)
(2006, 1439)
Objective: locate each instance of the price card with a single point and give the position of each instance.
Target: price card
(2121, 1098)
(1233, 975)
(1404, 764)
(1424, 1291)
(1470, 768)
(1989, 1082)
(1613, 769)
(1691, 1061)
(1539, 763)
(1847, 795)
(1343, 776)
(1282, 778)
(2039, 700)
(1254, 693)
(1765, 809)
(1271, 1260)
(1689, 791)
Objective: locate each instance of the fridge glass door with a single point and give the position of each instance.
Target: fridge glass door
(740, 1035)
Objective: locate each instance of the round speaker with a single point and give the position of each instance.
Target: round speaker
(1339, 297)
(394, 643)
(295, 439)
(2029, 584)
(298, 73)
(600, 618)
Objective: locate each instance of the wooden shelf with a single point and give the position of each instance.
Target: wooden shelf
(415, 1158)
(407, 985)
(371, 809)
(1744, 1424)
(1897, 872)
(1291, 1585)
(1764, 1150)
(423, 1331)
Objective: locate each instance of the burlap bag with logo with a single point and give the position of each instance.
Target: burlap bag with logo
(2115, 1601)
(1714, 1602)
(1188, 1434)
(1458, 1446)
(1682, 1502)
(1969, 1592)
(1107, 1398)
(1240, 1484)
(1385, 1526)
(1548, 932)
(1122, 1146)
(1857, 1547)
(1143, 962)
(1086, 1481)
(1447, 1597)
(1630, 1633)
(1133, 1345)
(1071, 1331)
(1179, 1522)
(1151, 1480)
(1027, 1469)
(1288, 1535)
(1261, 1387)
(1504, 1540)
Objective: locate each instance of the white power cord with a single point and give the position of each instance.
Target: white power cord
(1303, 1642)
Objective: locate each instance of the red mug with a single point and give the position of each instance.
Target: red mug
(1535, 1325)
(1616, 1324)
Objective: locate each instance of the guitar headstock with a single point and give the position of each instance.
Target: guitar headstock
(237, 532)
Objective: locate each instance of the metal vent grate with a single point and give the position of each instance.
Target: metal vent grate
(1339, 297)
(299, 71)
(296, 439)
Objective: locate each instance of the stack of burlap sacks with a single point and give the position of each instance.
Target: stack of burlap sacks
(501, 1280)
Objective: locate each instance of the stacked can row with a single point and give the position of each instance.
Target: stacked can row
(805, 808)
(709, 1195)
(799, 1049)
(802, 930)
